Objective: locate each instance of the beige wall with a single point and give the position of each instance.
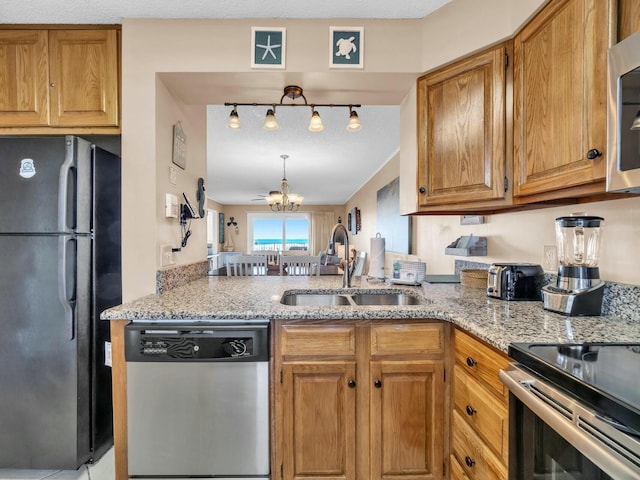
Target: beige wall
(511, 237)
(192, 118)
(520, 237)
(152, 46)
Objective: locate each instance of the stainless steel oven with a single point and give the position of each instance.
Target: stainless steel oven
(198, 399)
(574, 412)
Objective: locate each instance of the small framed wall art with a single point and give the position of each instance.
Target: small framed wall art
(346, 47)
(268, 47)
(179, 146)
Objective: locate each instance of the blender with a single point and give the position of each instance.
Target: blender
(578, 290)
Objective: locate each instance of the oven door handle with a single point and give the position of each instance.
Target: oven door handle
(558, 412)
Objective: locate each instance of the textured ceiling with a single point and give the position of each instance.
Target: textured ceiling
(113, 11)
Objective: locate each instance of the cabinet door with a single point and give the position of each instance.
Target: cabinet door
(319, 424)
(560, 97)
(406, 422)
(84, 77)
(461, 131)
(24, 78)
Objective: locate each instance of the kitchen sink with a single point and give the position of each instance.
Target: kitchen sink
(385, 299)
(314, 300)
(353, 299)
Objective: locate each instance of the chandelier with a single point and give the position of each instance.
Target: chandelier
(293, 92)
(283, 200)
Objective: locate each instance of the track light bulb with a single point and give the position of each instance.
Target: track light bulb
(234, 121)
(315, 125)
(270, 122)
(354, 122)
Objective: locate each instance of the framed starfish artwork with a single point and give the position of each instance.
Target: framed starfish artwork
(268, 47)
(346, 47)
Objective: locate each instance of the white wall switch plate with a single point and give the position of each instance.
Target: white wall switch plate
(171, 205)
(173, 175)
(549, 258)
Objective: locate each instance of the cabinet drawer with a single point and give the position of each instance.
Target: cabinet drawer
(407, 339)
(482, 410)
(456, 470)
(480, 361)
(478, 462)
(314, 340)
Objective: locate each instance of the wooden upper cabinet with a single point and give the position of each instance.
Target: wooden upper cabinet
(628, 18)
(84, 77)
(24, 74)
(461, 132)
(63, 78)
(560, 99)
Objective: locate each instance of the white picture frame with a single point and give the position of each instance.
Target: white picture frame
(268, 47)
(346, 47)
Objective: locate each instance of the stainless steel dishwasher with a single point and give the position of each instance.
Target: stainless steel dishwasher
(198, 399)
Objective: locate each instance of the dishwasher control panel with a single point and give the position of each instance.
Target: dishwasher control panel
(196, 343)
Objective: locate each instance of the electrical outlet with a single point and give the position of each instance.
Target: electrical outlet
(550, 258)
(166, 255)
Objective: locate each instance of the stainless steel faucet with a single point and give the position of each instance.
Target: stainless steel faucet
(331, 250)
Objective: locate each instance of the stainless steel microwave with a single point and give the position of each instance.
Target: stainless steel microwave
(623, 116)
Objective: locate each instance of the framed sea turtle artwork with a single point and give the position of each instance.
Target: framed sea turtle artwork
(346, 47)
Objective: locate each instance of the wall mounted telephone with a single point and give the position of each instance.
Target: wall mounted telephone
(187, 210)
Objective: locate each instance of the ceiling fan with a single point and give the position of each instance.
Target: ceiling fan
(283, 199)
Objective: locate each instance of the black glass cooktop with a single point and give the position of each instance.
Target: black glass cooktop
(604, 375)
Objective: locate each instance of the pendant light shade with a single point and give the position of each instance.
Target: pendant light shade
(315, 125)
(234, 121)
(354, 122)
(270, 122)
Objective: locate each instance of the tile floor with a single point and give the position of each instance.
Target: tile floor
(103, 469)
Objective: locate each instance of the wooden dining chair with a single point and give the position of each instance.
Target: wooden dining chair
(293, 265)
(246, 265)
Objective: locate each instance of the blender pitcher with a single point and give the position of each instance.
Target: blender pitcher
(578, 290)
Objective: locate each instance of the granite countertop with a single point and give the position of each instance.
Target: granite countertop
(496, 321)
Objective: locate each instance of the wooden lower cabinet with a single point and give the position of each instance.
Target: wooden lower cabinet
(405, 399)
(365, 408)
(319, 421)
(479, 411)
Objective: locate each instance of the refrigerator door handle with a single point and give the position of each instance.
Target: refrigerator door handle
(63, 293)
(63, 186)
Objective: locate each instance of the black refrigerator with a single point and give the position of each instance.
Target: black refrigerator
(60, 263)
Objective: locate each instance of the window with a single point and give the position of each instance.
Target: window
(280, 232)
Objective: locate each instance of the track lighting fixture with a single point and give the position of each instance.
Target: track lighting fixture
(294, 92)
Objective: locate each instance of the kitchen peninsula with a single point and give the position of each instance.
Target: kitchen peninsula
(449, 307)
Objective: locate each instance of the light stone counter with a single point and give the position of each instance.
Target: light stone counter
(496, 321)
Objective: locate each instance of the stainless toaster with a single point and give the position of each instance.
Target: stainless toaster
(515, 281)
